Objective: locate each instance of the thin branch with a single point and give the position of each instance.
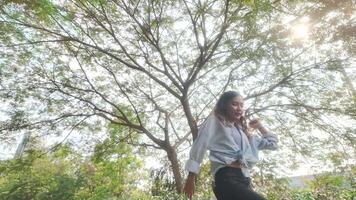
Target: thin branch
(66, 137)
(36, 42)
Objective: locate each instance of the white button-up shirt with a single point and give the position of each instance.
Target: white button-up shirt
(227, 143)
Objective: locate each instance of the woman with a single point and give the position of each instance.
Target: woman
(233, 150)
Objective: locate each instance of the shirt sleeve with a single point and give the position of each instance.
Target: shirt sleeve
(267, 141)
(200, 145)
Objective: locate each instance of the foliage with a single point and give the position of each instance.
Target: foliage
(327, 186)
(330, 186)
(204, 183)
(162, 184)
(43, 178)
(63, 174)
(113, 172)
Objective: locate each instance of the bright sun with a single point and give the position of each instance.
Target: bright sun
(300, 31)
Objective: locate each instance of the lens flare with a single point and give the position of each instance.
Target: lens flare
(300, 31)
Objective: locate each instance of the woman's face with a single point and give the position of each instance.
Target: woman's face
(235, 109)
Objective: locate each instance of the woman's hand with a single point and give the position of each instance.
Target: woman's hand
(256, 124)
(189, 186)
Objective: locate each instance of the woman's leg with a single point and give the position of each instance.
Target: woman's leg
(231, 184)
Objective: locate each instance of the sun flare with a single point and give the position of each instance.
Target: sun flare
(300, 31)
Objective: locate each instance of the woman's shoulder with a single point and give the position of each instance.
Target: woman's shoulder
(222, 121)
(214, 119)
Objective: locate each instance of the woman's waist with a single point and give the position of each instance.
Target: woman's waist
(226, 153)
(229, 156)
(216, 166)
(235, 164)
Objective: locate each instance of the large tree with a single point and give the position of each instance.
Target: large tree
(156, 67)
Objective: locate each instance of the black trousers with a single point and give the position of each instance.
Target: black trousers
(231, 184)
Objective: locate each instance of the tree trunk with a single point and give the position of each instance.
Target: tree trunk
(188, 113)
(172, 156)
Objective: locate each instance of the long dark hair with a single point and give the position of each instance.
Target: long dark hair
(221, 110)
(221, 107)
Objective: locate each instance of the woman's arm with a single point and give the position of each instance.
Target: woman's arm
(197, 153)
(268, 140)
(200, 145)
(189, 186)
